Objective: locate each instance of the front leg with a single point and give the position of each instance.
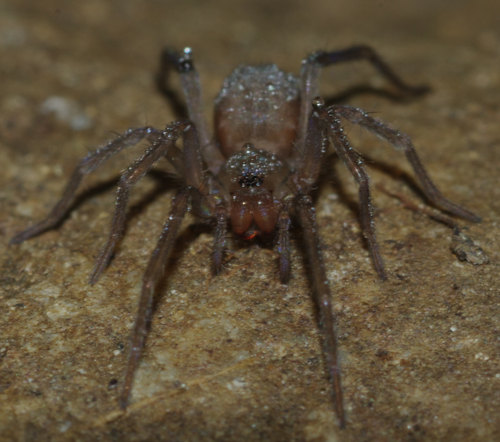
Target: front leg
(132, 175)
(193, 189)
(86, 166)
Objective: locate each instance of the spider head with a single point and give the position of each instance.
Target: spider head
(251, 177)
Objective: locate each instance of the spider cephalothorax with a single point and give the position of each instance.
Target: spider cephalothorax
(250, 180)
(272, 136)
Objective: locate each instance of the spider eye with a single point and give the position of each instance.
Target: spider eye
(251, 180)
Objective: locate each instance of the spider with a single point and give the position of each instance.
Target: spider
(272, 136)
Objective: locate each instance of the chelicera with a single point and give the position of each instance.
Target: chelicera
(255, 176)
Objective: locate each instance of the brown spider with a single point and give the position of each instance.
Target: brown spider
(256, 174)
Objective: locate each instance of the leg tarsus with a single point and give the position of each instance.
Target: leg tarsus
(366, 216)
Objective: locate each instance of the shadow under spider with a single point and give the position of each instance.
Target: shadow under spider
(350, 200)
(401, 175)
(363, 89)
(164, 182)
(182, 243)
(170, 94)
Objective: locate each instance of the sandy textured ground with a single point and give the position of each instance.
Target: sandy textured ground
(238, 357)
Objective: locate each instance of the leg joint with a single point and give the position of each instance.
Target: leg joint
(182, 63)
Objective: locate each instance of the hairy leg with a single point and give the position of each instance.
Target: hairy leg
(322, 294)
(353, 162)
(86, 166)
(312, 65)
(313, 154)
(151, 277)
(284, 246)
(131, 176)
(403, 143)
(219, 238)
(190, 81)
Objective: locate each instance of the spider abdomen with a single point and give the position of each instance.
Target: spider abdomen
(258, 105)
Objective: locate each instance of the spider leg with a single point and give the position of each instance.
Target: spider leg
(307, 219)
(312, 65)
(364, 52)
(321, 129)
(403, 143)
(353, 162)
(205, 202)
(301, 184)
(313, 154)
(220, 238)
(161, 148)
(190, 82)
(284, 246)
(194, 188)
(153, 273)
(86, 166)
